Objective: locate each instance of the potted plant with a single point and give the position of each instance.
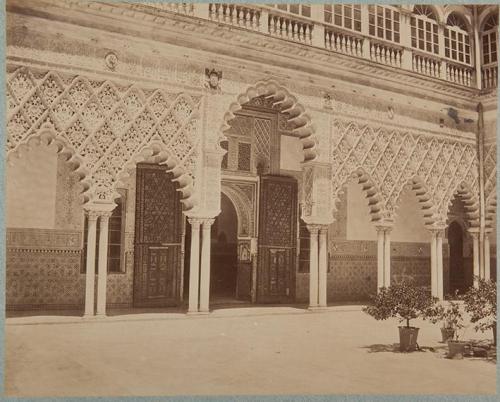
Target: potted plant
(450, 316)
(481, 304)
(404, 302)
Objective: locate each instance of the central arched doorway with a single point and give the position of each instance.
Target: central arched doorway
(460, 278)
(224, 253)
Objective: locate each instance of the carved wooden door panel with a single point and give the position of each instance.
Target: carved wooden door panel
(158, 237)
(277, 239)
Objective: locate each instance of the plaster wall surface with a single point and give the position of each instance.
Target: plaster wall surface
(359, 226)
(409, 224)
(31, 189)
(291, 154)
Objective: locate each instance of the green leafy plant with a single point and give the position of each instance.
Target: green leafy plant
(450, 315)
(403, 301)
(481, 304)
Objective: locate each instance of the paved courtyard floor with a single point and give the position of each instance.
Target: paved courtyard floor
(246, 351)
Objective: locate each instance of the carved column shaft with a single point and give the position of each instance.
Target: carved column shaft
(90, 264)
(313, 266)
(387, 257)
(434, 280)
(475, 257)
(487, 258)
(205, 266)
(380, 258)
(323, 268)
(102, 263)
(439, 265)
(194, 265)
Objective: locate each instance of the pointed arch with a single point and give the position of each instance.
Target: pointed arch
(417, 185)
(157, 152)
(373, 194)
(48, 135)
(287, 103)
(243, 209)
(470, 200)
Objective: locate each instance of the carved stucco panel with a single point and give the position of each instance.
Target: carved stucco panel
(104, 124)
(385, 160)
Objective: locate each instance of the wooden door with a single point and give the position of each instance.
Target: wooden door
(277, 239)
(158, 236)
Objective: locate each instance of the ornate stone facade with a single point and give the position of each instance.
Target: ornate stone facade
(109, 99)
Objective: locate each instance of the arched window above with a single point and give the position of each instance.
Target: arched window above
(424, 29)
(456, 39)
(425, 11)
(489, 40)
(491, 23)
(457, 21)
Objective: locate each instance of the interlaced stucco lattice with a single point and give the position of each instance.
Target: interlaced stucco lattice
(386, 161)
(490, 179)
(101, 122)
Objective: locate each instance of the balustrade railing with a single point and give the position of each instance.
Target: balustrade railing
(386, 54)
(489, 76)
(290, 27)
(427, 65)
(459, 74)
(312, 30)
(235, 14)
(342, 42)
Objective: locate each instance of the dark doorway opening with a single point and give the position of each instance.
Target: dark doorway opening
(224, 253)
(460, 278)
(187, 260)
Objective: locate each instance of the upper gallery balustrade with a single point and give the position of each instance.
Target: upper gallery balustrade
(445, 42)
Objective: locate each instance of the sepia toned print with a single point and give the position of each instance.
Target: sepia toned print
(245, 199)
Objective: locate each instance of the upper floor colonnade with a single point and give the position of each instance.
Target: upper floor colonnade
(456, 43)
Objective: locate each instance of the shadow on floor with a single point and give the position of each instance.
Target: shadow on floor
(394, 348)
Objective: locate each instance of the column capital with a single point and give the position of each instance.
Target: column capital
(437, 231)
(383, 228)
(92, 215)
(323, 229)
(313, 229)
(195, 222)
(105, 214)
(474, 233)
(207, 222)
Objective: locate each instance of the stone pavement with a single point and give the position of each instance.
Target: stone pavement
(246, 351)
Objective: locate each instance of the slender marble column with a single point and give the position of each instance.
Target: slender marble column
(194, 265)
(380, 257)
(90, 266)
(475, 257)
(387, 257)
(322, 267)
(434, 279)
(102, 266)
(439, 265)
(487, 261)
(205, 266)
(313, 266)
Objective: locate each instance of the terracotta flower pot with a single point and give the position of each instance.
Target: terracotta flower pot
(456, 349)
(447, 334)
(408, 339)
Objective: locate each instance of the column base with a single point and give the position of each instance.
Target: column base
(88, 317)
(317, 308)
(198, 313)
(100, 315)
